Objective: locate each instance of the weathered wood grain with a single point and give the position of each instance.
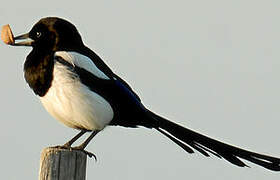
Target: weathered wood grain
(62, 164)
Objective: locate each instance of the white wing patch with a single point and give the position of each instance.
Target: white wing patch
(77, 59)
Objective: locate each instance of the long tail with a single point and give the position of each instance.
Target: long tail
(189, 140)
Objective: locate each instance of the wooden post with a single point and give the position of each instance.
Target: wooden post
(62, 164)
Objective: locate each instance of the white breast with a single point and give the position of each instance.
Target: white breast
(73, 104)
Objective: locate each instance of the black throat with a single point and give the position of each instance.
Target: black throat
(38, 71)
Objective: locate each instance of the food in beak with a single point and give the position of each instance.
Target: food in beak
(7, 35)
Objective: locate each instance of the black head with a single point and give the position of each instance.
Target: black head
(52, 34)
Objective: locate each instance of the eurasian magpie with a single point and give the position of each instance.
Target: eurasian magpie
(80, 90)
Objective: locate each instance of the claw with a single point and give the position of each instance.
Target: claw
(90, 154)
(77, 148)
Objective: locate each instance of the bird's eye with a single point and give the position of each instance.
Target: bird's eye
(38, 34)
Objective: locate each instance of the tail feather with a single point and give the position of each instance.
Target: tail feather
(188, 139)
(182, 145)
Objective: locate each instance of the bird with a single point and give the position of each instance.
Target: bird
(80, 90)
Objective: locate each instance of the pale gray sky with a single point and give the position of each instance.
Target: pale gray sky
(212, 66)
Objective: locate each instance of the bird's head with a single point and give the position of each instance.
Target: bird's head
(51, 34)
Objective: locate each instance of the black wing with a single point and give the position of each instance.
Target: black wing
(127, 107)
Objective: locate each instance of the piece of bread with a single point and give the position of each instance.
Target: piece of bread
(7, 35)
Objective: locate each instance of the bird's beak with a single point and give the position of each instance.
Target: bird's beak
(24, 40)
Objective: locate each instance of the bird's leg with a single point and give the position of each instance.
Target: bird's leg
(69, 143)
(85, 143)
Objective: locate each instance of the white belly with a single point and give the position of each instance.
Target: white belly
(73, 104)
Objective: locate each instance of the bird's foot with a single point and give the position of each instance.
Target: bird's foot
(65, 146)
(90, 154)
(78, 148)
